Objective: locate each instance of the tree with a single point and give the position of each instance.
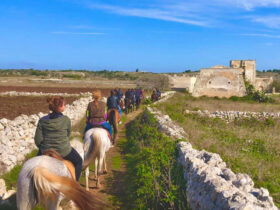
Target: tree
(137, 70)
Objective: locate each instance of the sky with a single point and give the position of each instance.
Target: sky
(151, 35)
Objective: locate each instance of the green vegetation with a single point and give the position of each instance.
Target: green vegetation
(155, 179)
(72, 76)
(253, 95)
(11, 177)
(247, 145)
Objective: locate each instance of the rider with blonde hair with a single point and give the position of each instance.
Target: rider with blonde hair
(53, 132)
(96, 113)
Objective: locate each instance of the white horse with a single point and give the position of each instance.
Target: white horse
(96, 144)
(42, 179)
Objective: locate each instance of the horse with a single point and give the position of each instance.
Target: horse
(96, 144)
(114, 118)
(138, 102)
(42, 179)
(154, 97)
(121, 103)
(129, 104)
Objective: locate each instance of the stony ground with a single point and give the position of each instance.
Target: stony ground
(72, 90)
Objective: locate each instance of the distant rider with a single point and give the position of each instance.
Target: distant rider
(53, 132)
(113, 103)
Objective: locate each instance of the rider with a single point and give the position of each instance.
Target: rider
(96, 113)
(138, 96)
(53, 132)
(158, 93)
(113, 102)
(119, 94)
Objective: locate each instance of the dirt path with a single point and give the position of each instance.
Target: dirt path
(113, 188)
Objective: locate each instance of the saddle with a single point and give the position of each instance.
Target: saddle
(67, 163)
(100, 126)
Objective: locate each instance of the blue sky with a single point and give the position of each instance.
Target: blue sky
(154, 35)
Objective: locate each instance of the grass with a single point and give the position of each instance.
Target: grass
(11, 177)
(223, 104)
(247, 146)
(116, 162)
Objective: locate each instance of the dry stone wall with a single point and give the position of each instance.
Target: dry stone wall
(15, 93)
(230, 116)
(210, 184)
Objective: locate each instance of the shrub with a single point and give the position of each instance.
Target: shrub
(157, 180)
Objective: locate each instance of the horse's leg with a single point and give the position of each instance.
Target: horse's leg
(97, 171)
(86, 177)
(100, 163)
(96, 168)
(114, 122)
(25, 196)
(105, 166)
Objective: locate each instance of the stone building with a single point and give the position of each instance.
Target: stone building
(222, 81)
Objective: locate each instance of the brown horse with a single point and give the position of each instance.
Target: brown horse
(154, 97)
(121, 103)
(114, 118)
(129, 105)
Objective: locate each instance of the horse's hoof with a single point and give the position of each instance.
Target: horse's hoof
(105, 172)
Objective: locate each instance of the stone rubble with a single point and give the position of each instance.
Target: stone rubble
(230, 116)
(210, 184)
(15, 93)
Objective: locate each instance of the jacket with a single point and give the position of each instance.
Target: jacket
(112, 102)
(54, 133)
(96, 113)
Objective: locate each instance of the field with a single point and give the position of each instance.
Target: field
(13, 106)
(247, 146)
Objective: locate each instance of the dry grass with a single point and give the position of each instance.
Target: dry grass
(247, 146)
(214, 104)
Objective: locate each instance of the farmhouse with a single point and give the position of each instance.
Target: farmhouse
(222, 81)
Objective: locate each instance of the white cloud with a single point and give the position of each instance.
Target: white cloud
(154, 13)
(76, 33)
(251, 4)
(269, 21)
(264, 35)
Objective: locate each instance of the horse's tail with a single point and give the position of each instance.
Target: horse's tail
(50, 185)
(94, 149)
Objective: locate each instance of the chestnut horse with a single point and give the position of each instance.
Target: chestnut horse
(114, 118)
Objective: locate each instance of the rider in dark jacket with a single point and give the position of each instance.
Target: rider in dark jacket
(112, 101)
(119, 94)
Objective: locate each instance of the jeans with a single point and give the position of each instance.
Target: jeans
(77, 161)
(105, 125)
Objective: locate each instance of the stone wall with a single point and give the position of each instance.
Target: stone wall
(17, 136)
(249, 68)
(221, 82)
(182, 82)
(230, 116)
(15, 93)
(262, 84)
(210, 184)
